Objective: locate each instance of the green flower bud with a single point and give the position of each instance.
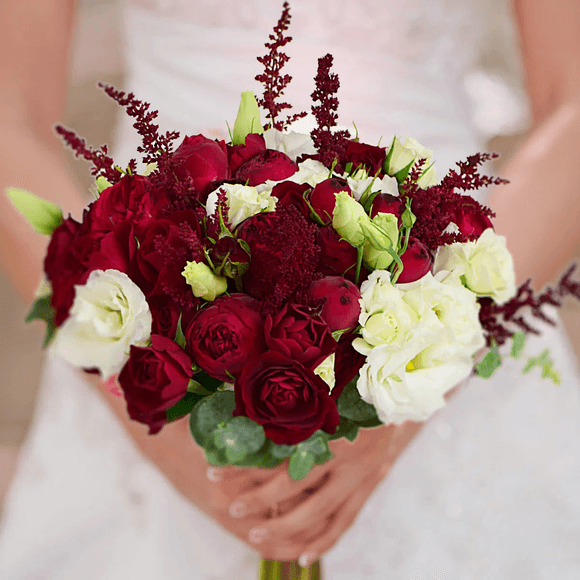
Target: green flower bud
(204, 283)
(347, 217)
(382, 234)
(248, 119)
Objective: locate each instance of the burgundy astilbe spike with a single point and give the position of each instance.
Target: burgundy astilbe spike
(330, 144)
(154, 145)
(500, 322)
(274, 83)
(435, 206)
(103, 165)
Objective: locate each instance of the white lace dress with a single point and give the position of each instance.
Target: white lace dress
(488, 490)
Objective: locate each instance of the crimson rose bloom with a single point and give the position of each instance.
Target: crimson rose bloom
(239, 154)
(471, 221)
(154, 379)
(417, 261)
(340, 302)
(337, 257)
(386, 203)
(290, 193)
(225, 335)
(370, 156)
(287, 399)
(204, 160)
(299, 335)
(269, 164)
(323, 197)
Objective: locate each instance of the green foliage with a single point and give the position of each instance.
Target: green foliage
(183, 407)
(44, 216)
(179, 336)
(239, 437)
(209, 413)
(347, 428)
(308, 453)
(43, 310)
(518, 344)
(351, 406)
(545, 362)
(490, 363)
(300, 464)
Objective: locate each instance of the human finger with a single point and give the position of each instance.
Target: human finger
(280, 495)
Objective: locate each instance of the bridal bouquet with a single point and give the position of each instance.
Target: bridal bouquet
(283, 289)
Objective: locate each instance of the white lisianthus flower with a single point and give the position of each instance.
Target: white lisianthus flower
(108, 315)
(291, 143)
(325, 370)
(419, 339)
(310, 171)
(485, 266)
(360, 181)
(243, 202)
(203, 281)
(401, 156)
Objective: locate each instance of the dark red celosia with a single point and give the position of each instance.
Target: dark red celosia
(330, 144)
(274, 83)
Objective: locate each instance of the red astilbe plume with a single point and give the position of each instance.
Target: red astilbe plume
(499, 322)
(154, 145)
(435, 206)
(103, 165)
(330, 145)
(274, 83)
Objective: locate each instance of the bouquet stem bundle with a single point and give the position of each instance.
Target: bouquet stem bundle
(275, 570)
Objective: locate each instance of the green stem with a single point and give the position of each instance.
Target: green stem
(275, 570)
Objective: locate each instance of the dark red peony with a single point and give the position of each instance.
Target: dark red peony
(154, 379)
(132, 198)
(323, 197)
(204, 160)
(299, 335)
(287, 399)
(239, 154)
(340, 302)
(337, 257)
(347, 363)
(417, 261)
(267, 165)
(225, 335)
(386, 203)
(371, 156)
(290, 193)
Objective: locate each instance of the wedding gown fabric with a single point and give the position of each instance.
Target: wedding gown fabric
(488, 489)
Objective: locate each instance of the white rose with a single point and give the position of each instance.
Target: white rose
(243, 202)
(108, 315)
(485, 266)
(291, 143)
(360, 181)
(419, 339)
(325, 370)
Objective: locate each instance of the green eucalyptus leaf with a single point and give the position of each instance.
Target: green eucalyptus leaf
(347, 428)
(240, 433)
(209, 413)
(43, 310)
(351, 405)
(489, 364)
(44, 216)
(301, 462)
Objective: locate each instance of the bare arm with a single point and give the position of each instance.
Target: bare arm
(539, 211)
(34, 44)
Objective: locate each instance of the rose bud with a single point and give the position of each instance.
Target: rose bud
(204, 160)
(290, 193)
(323, 197)
(154, 379)
(386, 203)
(268, 165)
(225, 335)
(300, 336)
(416, 260)
(341, 307)
(286, 398)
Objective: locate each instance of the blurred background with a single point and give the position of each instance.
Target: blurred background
(97, 55)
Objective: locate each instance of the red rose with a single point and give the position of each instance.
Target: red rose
(347, 363)
(239, 154)
(290, 193)
(386, 203)
(340, 302)
(268, 165)
(323, 197)
(154, 379)
(287, 399)
(337, 257)
(202, 159)
(165, 247)
(368, 155)
(130, 199)
(417, 261)
(298, 335)
(471, 221)
(225, 335)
